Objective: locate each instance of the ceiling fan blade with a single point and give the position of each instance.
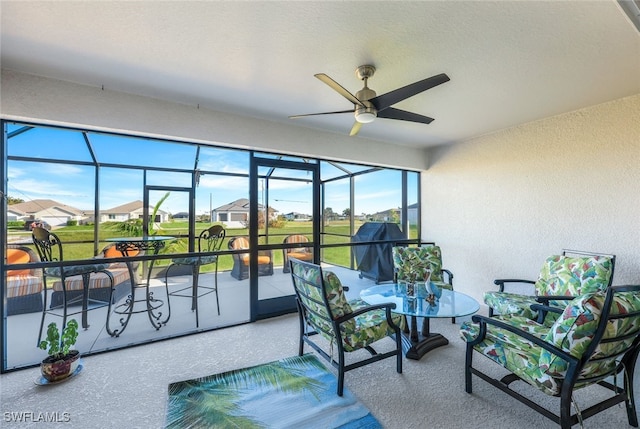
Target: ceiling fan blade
(338, 88)
(402, 115)
(356, 127)
(317, 114)
(383, 101)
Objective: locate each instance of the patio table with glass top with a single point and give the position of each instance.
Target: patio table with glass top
(151, 304)
(445, 304)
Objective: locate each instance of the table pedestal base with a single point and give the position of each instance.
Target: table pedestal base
(415, 350)
(417, 344)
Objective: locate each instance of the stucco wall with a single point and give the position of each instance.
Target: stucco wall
(500, 204)
(33, 98)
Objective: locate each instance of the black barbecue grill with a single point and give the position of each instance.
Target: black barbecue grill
(375, 261)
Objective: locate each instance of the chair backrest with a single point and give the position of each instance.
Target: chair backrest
(564, 275)
(416, 263)
(242, 243)
(320, 296)
(21, 255)
(598, 328)
(296, 238)
(48, 245)
(238, 243)
(211, 239)
(110, 251)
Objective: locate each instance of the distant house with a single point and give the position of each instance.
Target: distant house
(412, 214)
(14, 214)
(386, 216)
(181, 216)
(132, 210)
(49, 211)
(236, 213)
(297, 216)
(392, 214)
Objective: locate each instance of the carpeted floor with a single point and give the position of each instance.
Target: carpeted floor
(128, 388)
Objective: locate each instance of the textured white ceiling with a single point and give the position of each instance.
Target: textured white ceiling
(509, 62)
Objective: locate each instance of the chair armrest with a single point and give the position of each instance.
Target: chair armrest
(483, 321)
(543, 310)
(546, 298)
(502, 282)
(449, 276)
(387, 306)
(362, 310)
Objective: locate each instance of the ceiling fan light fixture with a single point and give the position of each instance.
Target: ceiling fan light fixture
(366, 115)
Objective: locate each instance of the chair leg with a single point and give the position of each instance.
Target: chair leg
(629, 370)
(399, 351)
(194, 291)
(565, 409)
(44, 309)
(111, 290)
(467, 369)
(85, 300)
(216, 286)
(301, 322)
(340, 373)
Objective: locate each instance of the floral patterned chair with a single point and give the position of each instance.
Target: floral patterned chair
(561, 278)
(418, 263)
(347, 325)
(595, 338)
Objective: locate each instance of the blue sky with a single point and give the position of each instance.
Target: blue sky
(74, 184)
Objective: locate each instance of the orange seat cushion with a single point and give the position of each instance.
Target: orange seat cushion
(18, 256)
(112, 252)
(261, 259)
(303, 256)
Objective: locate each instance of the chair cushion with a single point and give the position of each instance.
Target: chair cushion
(417, 263)
(297, 238)
(19, 256)
(335, 297)
(240, 243)
(573, 276)
(572, 332)
(195, 260)
(576, 327)
(366, 328)
(111, 252)
(261, 259)
(76, 270)
(511, 303)
(96, 280)
(303, 256)
(22, 285)
(512, 351)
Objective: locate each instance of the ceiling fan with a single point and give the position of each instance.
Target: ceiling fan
(368, 106)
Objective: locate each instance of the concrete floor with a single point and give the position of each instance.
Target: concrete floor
(22, 329)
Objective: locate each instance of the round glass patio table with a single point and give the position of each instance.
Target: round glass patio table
(449, 304)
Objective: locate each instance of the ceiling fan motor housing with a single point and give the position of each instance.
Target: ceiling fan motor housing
(367, 113)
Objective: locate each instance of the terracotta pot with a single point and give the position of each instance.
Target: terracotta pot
(58, 369)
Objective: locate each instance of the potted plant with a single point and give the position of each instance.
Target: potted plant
(62, 361)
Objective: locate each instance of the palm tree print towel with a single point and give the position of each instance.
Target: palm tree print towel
(294, 392)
